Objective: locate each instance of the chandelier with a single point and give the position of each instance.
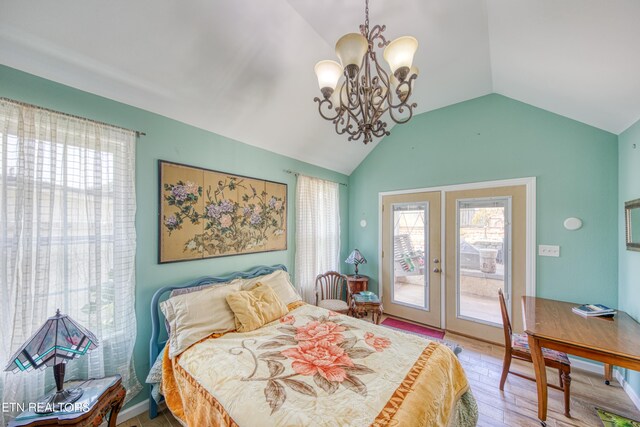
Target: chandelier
(357, 104)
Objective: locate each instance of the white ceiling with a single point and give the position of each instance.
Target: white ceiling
(244, 68)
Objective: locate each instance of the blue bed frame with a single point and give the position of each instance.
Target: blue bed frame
(157, 318)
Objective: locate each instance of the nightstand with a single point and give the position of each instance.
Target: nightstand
(100, 397)
(361, 305)
(356, 284)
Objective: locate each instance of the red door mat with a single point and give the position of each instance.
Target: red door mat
(410, 327)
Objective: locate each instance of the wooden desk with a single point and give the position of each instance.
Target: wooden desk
(552, 324)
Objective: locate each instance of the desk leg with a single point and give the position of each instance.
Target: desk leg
(608, 373)
(541, 377)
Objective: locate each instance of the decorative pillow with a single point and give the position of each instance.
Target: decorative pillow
(256, 307)
(278, 281)
(197, 315)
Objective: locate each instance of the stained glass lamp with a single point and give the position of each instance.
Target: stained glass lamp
(58, 341)
(356, 259)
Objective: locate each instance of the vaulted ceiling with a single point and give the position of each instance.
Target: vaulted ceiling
(244, 68)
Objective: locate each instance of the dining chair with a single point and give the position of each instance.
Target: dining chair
(329, 289)
(516, 346)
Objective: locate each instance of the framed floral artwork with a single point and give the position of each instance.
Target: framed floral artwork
(205, 214)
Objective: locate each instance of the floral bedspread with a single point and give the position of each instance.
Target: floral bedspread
(316, 367)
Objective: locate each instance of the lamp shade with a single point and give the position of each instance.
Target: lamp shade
(328, 73)
(356, 258)
(59, 340)
(351, 48)
(399, 53)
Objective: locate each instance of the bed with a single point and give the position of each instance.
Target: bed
(309, 367)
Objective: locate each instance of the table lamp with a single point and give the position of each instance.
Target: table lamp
(356, 259)
(59, 340)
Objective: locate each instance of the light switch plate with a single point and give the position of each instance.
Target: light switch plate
(549, 250)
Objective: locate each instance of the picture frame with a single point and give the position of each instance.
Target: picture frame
(632, 224)
(205, 213)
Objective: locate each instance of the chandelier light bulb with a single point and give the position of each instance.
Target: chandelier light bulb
(335, 98)
(350, 49)
(403, 89)
(399, 55)
(328, 73)
(394, 80)
(378, 100)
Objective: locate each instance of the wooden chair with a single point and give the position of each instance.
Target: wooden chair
(517, 346)
(329, 289)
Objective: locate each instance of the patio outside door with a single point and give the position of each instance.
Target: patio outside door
(411, 256)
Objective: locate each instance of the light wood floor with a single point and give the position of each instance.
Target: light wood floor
(517, 405)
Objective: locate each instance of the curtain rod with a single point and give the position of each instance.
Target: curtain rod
(296, 173)
(26, 104)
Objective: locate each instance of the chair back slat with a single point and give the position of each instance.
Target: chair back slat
(330, 285)
(506, 323)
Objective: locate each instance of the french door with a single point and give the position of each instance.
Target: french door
(411, 256)
(484, 248)
(485, 252)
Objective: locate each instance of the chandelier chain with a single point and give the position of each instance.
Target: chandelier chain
(366, 16)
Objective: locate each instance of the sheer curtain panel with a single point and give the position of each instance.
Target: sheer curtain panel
(67, 241)
(317, 232)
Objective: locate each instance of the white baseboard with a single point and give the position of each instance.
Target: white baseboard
(131, 412)
(134, 411)
(627, 388)
(597, 368)
(586, 365)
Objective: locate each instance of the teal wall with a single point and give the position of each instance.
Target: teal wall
(629, 261)
(175, 141)
(491, 138)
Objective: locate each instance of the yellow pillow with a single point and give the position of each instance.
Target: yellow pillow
(255, 308)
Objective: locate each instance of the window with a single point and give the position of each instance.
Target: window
(67, 239)
(484, 257)
(410, 251)
(317, 232)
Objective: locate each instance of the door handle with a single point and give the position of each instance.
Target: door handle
(437, 270)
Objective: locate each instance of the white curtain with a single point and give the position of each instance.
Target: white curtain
(317, 232)
(67, 241)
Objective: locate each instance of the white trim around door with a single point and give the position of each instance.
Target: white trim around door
(529, 182)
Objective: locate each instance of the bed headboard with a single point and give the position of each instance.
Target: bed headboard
(157, 318)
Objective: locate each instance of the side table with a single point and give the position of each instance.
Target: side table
(101, 396)
(361, 305)
(356, 284)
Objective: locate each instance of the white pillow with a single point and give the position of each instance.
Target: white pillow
(278, 281)
(197, 315)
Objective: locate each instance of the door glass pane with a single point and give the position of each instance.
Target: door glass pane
(410, 225)
(482, 258)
